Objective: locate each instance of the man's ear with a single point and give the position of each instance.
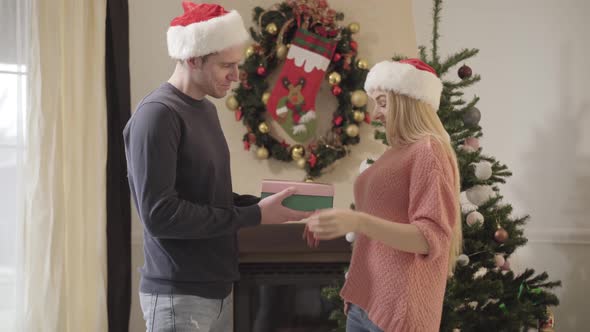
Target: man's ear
(195, 63)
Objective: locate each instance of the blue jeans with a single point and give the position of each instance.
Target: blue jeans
(184, 313)
(358, 321)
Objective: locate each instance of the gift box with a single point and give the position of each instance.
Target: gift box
(309, 196)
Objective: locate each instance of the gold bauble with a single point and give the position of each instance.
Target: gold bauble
(272, 29)
(358, 116)
(297, 152)
(232, 103)
(250, 51)
(352, 130)
(301, 163)
(334, 78)
(265, 97)
(282, 51)
(354, 27)
(263, 128)
(362, 64)
(359, 98)
(262, 153)
(309, 180)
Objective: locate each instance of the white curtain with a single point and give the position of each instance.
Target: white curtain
(64, 234)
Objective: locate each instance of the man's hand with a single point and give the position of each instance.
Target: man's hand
(273, 211)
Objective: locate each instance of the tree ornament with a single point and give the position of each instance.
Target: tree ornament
(506, 266)
(250, 51)
(282, 51)
(265, 97)
(483, 170)
(471, 117)
(232, 103)
(362, 64)
(352, 130)
(474, 218)
(354, 27)
(272, 29)
(337, 57)
(336, 90)
(463, 260)
(472, 142)
(334, 78)
(547, 325)
(499, 260)
(359, 98)
(350, 237)
(464, 72)
(353, 45)
(261, 70)
(301, 163)
(358, 116)
(297, 152)
(263, 128)
(479, 194)
(501, 235)
(262, 153)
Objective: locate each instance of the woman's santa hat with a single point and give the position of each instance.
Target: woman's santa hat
(410, 77)
(204, 29)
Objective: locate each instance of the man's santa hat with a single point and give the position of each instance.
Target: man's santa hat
(204, 29)
(410, 77)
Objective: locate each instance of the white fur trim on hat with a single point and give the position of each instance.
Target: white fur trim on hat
(405, 79)
(202, 38)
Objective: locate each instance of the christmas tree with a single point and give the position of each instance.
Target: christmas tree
(484, 294)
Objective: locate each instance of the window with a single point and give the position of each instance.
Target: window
(12, 119)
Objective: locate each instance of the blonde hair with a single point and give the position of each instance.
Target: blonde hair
(407, 121)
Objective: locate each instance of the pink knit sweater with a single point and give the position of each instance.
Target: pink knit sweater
(402, 291)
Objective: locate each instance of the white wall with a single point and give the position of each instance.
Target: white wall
(535, 109)
(383, 33)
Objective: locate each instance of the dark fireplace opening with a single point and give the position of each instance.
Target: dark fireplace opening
(285, 297)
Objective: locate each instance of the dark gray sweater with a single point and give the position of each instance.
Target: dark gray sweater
(178, 165)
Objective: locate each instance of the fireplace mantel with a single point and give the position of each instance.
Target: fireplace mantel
(283, 244)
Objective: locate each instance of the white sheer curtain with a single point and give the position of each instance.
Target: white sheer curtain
(64, 216)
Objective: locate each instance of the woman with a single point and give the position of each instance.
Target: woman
(407, 216)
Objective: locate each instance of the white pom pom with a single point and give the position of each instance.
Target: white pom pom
(467, 148)
(463, 260)
(466, 205)
(350, 237)
(474, 218)
(365, 164)
(346, 275)
(472, 304)
(500, 260)
(480, 194)
(483, 170)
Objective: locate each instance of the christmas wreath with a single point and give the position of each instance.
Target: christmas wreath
(305, 37)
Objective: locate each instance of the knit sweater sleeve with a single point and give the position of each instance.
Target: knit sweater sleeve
(432, 203)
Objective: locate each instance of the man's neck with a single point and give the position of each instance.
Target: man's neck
(180, 79)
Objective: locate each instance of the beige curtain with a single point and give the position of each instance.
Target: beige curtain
(64, 285)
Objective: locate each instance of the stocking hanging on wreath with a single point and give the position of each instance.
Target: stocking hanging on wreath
(292, 100)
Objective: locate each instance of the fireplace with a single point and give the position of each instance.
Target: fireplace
(281, 280)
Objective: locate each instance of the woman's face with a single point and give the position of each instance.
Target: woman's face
(380, 109)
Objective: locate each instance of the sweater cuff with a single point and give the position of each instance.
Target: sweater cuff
(248, 215)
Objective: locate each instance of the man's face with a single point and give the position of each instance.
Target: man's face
(215, 74)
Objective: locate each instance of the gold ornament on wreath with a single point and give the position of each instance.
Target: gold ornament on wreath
(275, 30)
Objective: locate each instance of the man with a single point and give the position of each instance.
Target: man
(179, 174)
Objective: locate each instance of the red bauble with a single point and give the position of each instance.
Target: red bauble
(312, 160)
(252, 138)
(464, 72)
(261, 71)
(246, 145)
(336, 90)
(501, 235)
(239, 114)
(338, 120)
(353, 45)
(337, 57)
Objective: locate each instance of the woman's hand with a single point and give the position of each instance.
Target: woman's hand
(333, 223)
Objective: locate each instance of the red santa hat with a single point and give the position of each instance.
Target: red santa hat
(204, 29)
(410, 77)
